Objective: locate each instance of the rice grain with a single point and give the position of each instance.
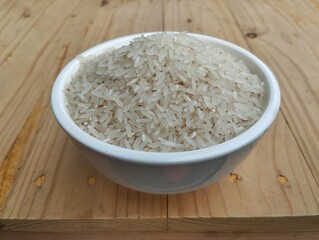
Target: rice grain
(164, 92)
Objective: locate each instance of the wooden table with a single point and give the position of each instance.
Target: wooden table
(47, 186)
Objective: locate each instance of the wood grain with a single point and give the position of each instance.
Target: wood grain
(162, 236)
(227, 206)
(285, 40)
(43, 176)
(259, 193)
(87, 21)
(211, 18)
(47, 186)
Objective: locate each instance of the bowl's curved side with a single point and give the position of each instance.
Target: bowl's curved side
(165, 179)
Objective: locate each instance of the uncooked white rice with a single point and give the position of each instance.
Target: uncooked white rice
(165, 92)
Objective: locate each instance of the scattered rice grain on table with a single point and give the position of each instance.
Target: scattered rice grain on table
(165, 92)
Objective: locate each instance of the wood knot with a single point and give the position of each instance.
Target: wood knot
(251, 35)
(189, 20)
(234, 177)
(282, 179)
(104, 3)
(26, 13)
(40, 181)
(8, 57)
(91, 180)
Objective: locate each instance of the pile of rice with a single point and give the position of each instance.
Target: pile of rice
(164, 93)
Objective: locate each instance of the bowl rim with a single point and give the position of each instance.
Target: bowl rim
(165, 158)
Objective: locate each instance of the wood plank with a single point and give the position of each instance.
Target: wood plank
(287, 41)
(43, 176)
(162, 236)
(66, 192)
(46, 185)
(259, 198)
(212, 18)
(25, 44)
(81, 226)
(45, 42)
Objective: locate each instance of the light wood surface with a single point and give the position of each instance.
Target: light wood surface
(47, 186)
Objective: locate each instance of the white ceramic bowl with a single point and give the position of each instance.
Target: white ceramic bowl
(167, 173)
